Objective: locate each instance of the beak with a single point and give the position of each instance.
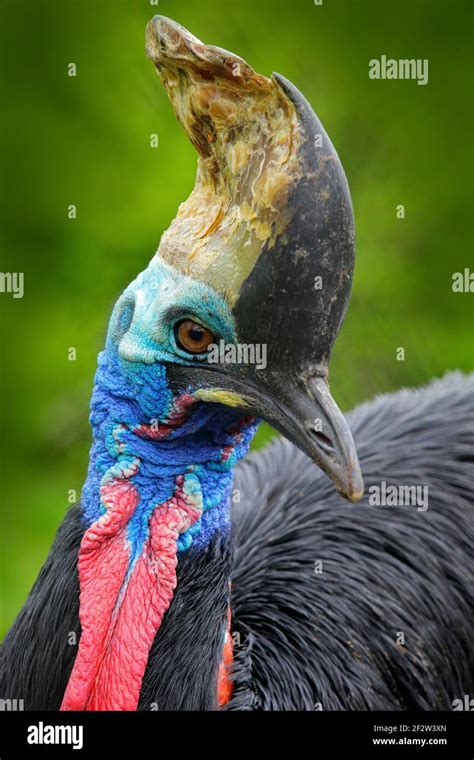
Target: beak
(307, 416)
(315, 424)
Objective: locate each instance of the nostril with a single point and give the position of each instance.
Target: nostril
(323, 441)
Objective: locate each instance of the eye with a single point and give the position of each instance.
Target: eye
(193, 337)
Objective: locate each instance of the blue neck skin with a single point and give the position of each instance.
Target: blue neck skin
(197, 440)
(203, 448)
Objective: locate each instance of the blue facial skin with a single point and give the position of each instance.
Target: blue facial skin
(151, 306)
(131, 389)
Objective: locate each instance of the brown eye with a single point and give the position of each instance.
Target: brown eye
(192, 336)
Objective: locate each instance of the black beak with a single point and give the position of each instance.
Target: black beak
(306, 414)
(303, 411)
(313, 422)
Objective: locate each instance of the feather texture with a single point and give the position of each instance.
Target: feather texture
(323, 592)
(324, 636)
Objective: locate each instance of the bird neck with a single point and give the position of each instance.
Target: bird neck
(159, 482)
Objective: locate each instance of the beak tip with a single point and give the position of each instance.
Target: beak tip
(354, 490)
(356, 495)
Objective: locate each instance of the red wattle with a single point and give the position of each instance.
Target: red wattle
(121, 610)
(225, 685)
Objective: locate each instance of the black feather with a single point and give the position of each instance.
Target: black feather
(330, 640)
(303, 640)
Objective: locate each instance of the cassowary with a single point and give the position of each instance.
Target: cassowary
(188, 580)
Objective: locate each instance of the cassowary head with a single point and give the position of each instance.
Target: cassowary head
(250, 283)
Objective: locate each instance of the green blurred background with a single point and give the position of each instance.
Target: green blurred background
(86, 141)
